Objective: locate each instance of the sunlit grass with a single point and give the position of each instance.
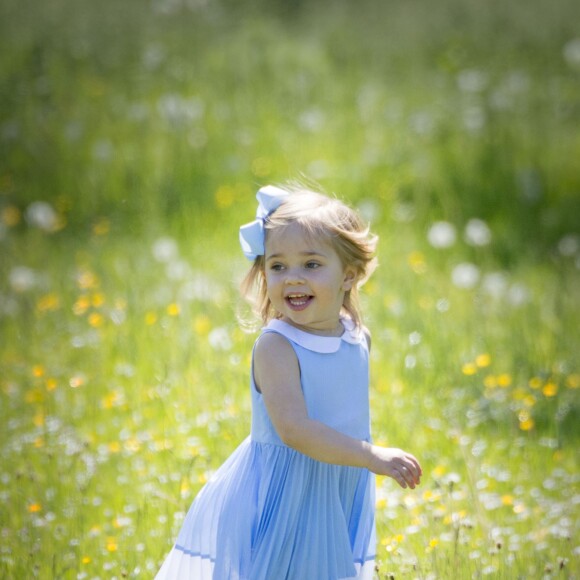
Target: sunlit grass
(132, 140)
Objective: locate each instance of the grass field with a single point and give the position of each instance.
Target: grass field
(133, 137)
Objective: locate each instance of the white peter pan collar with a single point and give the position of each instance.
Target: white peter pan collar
(315, 342)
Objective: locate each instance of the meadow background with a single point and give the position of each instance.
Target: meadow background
(133, 136)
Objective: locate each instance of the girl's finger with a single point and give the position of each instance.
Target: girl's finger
(412, 469)
(407, 476)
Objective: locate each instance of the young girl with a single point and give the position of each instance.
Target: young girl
(295, 501)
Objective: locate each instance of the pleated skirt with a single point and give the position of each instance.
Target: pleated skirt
(272, 513)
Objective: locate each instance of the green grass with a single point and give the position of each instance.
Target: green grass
(124, 376)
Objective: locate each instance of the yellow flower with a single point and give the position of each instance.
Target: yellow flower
(97, 300)
(51, 384)
(527, 425)
(81, 305)
(34, 396)
(173, 309)
(490, 382)
(114, 447)
(439, 471)
(202, 325)
(504, 380)
(96, 320)
(87, 280)
(48, 303)
(109, 401)
(111, 545)
(102, 227)
(469, 369)
(550, 389)
(77, 381)
(133, 445)
(10, 215)
(507, 499)
(37, 371)
(483, 360)
(150, 318)
(86, 560)
(519, 394)
(535, 383)
(416, 261)
(526, 421)
(573, 381)
(34, 508)
(433, 543)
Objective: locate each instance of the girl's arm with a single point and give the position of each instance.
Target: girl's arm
(277, 375)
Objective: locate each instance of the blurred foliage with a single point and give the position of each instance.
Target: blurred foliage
(142, 112)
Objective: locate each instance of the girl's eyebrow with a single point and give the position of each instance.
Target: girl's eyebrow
(308, 253)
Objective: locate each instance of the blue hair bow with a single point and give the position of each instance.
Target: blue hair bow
(252, 235)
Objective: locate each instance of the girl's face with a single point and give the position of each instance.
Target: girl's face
(305, 279)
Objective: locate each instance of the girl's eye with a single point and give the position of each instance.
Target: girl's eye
(312, 265)
(276, 267)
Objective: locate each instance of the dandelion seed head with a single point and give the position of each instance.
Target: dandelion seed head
(103, 150)
(164, 249)
(442, 234)
(571, 52)
(22, 279)
(472, 80)
(477, 233)
(219, 339)
(312, 120)
(41, 215)
(465, 275)
(569, 245)
(403, 212)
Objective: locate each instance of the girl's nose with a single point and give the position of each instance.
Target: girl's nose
(294, 276)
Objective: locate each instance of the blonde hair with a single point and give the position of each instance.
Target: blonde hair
(324, 218)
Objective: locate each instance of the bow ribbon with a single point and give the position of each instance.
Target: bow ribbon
(252, 235)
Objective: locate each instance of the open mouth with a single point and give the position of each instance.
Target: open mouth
(298, 301)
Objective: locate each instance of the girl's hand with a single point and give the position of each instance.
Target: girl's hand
(396, 463)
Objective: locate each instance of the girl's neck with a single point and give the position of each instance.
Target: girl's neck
(335, 332)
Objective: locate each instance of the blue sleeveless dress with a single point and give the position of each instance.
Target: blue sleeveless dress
(272, 513)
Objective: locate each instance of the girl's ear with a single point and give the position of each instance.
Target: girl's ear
(349, 279)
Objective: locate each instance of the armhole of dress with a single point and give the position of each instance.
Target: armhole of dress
(269, 331)
(367, 337)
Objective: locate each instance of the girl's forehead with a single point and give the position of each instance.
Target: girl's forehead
(295, 236)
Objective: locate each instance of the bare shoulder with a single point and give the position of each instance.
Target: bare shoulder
(272, 345)
(274, 357)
